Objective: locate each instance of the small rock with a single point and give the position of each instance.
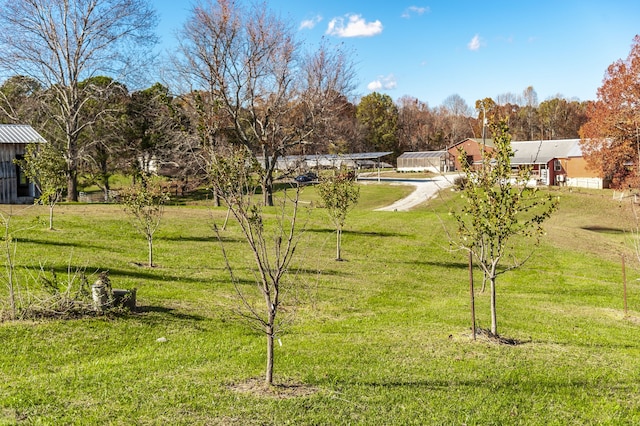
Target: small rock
(161, 339)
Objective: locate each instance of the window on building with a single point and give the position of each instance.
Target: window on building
(557, 166)
(470, 160)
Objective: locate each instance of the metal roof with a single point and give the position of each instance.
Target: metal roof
(352, 156)
(423, 154)
(19, 133)
(329, 160)
(543, 151)
(332, 157)
(487, 142)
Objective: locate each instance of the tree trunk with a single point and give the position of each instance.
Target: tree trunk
(473, 300)
(338, 243)
(494, 321)
(267, 191)
(50, 216)
(72, 186)
(72, 168)
(106, 189)
(269, 373)
(150, 240)
(267, 178)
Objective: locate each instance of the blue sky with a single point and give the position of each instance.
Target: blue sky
(476, 49)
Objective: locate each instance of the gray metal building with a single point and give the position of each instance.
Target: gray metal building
(15, 188)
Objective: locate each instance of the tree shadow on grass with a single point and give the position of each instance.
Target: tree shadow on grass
(168, 312)
(487, 335)
(211, 239)
(142, 272)
(347, 232)
(320, 272)
(604, 230)
(432, 264)
(448, 265)
(37, 241)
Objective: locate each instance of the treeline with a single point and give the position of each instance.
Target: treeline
(129, 132)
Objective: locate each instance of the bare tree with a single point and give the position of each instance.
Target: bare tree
(458, 114)
(530, 112)
(234, 179)
(416, 124)
(59, 43)
(272, 94)
(206, 132)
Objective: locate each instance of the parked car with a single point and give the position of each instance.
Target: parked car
(307, 177)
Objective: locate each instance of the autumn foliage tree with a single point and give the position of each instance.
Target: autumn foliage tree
(611, 137)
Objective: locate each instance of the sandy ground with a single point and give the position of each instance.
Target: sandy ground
(424, 190)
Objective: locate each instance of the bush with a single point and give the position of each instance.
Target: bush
(460, 183)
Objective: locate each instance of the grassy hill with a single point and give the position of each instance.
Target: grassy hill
(381, 338)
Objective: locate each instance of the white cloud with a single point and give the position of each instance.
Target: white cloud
(356, 26)
(374, 85)
(475, 43)
(309, 24)
(414, 10)
(383, 83)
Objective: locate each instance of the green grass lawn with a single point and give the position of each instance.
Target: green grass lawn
(381, 338)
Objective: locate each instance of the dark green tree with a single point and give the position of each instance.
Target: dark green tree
(378, 115)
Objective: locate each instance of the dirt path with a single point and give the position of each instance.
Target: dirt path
(424, 190)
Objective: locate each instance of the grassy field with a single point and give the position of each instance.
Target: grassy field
(381, 338)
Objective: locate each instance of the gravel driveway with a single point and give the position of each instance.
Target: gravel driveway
(424, 190)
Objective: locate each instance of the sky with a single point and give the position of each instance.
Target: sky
(433, 49)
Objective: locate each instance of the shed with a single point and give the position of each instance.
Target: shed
(15, 188)
(431, 161)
